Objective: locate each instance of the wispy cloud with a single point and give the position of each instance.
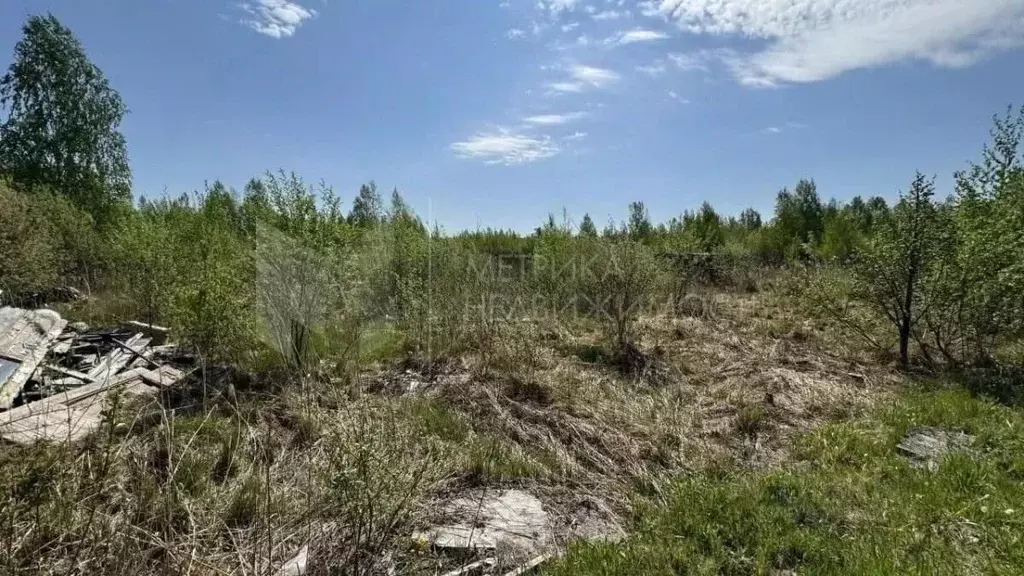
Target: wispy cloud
(693, 60)
(276, 18)
(675, 96)
(515, 33)
(609, 15)
(636, 35)
(506, 147)
(556, 6)
(565, 87)
(596, 77)
(656, 68)
(583, 77)
(772, 130)
(554, 119)
(814, 40)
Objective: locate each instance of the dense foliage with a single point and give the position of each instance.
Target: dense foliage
(61, 127)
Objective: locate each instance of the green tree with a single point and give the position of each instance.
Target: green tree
(990, 215)
(639, 225)
(610, 231)
(799, 215)
(842, 237)
(61, 128)
(750, 219)
(706, 228)
(900, 258)
(366, 208)
(587, 227)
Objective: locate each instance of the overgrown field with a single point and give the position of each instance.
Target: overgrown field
(217, 482)
(724, 392)
(847, 503)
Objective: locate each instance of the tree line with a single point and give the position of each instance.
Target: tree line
(946, 274)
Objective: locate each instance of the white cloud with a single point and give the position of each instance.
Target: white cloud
(583, 77)
(276, 18)
(813, 40)
(691, 60)
(515, 33)
(504, 146)
(596, 77)
(554, 119)
(636, 35)
(565, 87)
(674, 96)
(576, 136)
(654, 69)
(556, 6)
(570, 26)
(772, 130)
(608, 15)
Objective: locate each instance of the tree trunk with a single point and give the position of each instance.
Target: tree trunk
(905, 342)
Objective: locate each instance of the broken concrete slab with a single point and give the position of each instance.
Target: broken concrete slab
(25, 338)
(506, 518)
(927, 446)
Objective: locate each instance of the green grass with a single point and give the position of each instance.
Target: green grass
(849, 505)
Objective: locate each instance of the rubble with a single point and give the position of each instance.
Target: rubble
(927, 446)
(55, 379)
(506, 518)
(25, 338)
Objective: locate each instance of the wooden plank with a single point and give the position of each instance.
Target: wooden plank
(62, 348)
(136, 357)
(71, 421)
(163, 376)
(59, 401)
(475, 566)
(156, 334)
(113, 363)
(27, 341)
(531, 565)
(69, 372)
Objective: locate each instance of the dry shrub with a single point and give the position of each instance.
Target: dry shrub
(697, 306)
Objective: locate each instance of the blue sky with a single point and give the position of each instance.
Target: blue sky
(491, 112)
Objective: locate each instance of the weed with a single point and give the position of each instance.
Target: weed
(751, 419)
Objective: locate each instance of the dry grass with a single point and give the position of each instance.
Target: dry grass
(211, 486)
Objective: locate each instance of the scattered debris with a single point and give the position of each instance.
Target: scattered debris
(25, 338)
(412, 378)
(297, 565)
(62, 379)
(927, 446)
(507, 518)
(531, 565)
(479, 565)
(592, 527)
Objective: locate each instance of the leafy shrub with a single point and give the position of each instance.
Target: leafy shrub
(28, 249)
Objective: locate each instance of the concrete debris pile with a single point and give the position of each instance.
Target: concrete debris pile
(55, 378)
